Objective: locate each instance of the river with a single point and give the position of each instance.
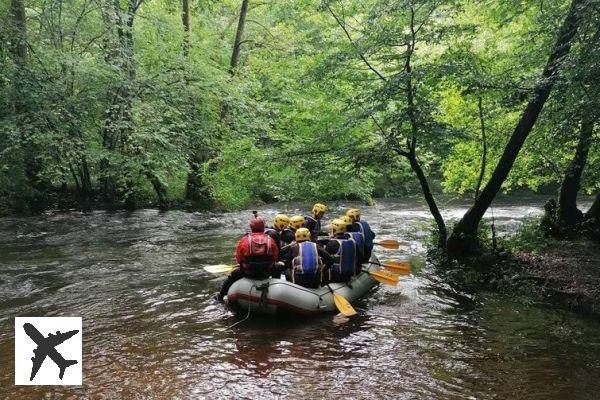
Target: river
(151, 328)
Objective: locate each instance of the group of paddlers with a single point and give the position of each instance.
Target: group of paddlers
(292, 246)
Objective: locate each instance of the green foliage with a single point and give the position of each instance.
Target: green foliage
(99, 111)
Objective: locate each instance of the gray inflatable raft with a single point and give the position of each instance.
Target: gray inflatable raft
(271, 296)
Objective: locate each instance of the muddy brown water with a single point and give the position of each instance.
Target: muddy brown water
(153, 330)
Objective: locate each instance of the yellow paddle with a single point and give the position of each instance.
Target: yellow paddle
(399, 267)
(388, 244)
(342, 304)
(385, 277)
(219, 268)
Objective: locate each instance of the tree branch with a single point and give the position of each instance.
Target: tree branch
(362, 57)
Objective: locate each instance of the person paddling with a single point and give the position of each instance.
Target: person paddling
(343, 251)
(313, 222)
(360, 225)
(256, 254)
(280, 223)
(289, 234)
(358, 237)
(305, 261)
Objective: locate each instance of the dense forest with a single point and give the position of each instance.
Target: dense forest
(200, 103)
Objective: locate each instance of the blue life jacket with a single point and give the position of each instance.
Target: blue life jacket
(365, 229)
(345, 257)
(358, 238)
(307, 262)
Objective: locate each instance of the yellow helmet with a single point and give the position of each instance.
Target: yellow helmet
(281, 221)
(347, 220)
(319, 208)
(338, 226)
(354, 213)
(296, 221)
(302, 235)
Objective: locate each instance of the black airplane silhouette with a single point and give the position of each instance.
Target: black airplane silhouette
(46, 347)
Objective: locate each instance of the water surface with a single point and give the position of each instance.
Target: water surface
(153, 330)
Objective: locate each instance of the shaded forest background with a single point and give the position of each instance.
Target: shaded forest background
(202, 103)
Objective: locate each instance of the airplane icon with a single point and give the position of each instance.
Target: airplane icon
(46, 347)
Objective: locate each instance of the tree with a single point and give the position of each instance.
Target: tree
(239, 33)
(466, 228)
(402, 81)
(185, 19)
(34, 192)
(568, 213)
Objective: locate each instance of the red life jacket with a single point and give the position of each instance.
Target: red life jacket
(258, 255)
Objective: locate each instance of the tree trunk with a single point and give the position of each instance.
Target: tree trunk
(119, 126)
(185, 18)
(412, 142)
(469, 223)
(483, 148)
(196, 189)
(235, 55)
(431, 203)
(568, 213)
(18, 41)
(159, 187)
(86, 181)
(35, 193)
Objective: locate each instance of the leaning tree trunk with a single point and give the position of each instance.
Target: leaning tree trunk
(431, 203)
(483, 148)
(412, 142)
(235, 55)
(568, 213)
(466, 228)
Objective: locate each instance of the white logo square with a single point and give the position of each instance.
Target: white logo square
(48, 351)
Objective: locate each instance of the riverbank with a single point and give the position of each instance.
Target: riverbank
(566, 274)
(560, 274)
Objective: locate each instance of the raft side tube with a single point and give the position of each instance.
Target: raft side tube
(271, 296)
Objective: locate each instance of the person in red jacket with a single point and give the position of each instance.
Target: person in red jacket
(256, 254)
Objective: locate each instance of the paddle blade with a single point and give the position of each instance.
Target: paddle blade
(343, 305)
(385, 277)
(219, 268)
(397, 266)
(389, 244)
